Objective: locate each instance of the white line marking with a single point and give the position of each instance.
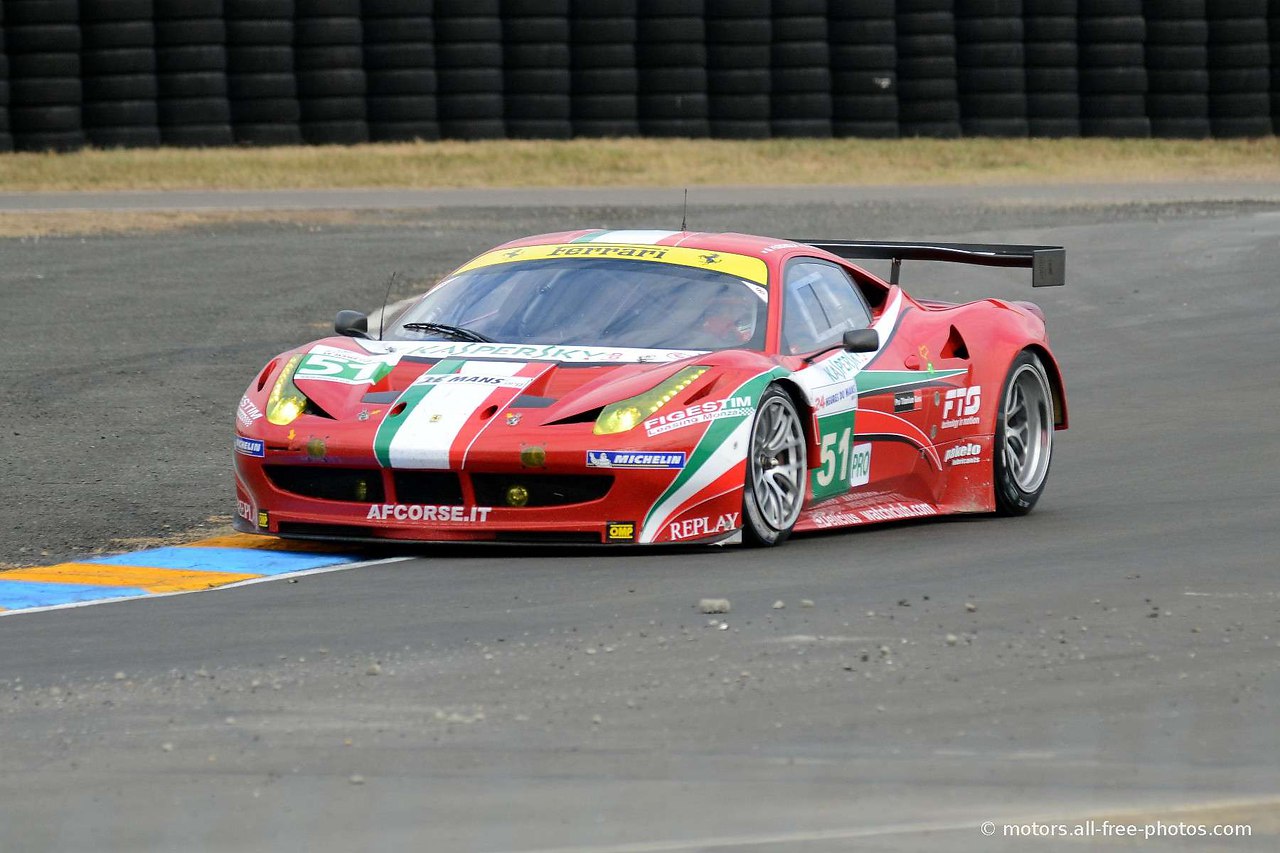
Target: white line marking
(339, 567)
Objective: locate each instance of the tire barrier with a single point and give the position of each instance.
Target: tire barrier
(801, 104)
(469, 69)
(864, 77)
(1239, 68)
(739, 75)
(328, 62)
(191, 73)
(261, 83)
(136, 73)
(42, 43)
(536, 69)
(6, 137)
(991, 68)
(1052, 72)
(605, 79)
(928, 95)
(671, 53)
(400, 72)
(1113, 72)
(119, 110)
(1178, 69)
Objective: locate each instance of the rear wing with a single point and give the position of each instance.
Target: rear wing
(1047, 263)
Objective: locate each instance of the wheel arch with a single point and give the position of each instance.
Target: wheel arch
(1056, 385)
(810, 423)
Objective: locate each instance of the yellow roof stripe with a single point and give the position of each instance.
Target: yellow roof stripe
(105, 574)
(743, 266)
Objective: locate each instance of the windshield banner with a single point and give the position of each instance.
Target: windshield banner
(742, 266)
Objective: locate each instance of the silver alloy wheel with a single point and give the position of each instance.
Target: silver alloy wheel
(777, 464)
(1028, 427)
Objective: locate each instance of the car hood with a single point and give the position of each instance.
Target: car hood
(360, 379)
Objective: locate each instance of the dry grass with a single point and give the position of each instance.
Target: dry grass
(83, 223)
(647, 162)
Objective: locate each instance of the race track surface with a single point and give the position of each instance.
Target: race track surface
(1116, 654)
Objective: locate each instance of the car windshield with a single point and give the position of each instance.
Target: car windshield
(595, 302)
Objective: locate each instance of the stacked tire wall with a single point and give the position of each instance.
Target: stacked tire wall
(196, 73)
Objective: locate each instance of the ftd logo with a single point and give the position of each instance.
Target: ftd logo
(962, 402)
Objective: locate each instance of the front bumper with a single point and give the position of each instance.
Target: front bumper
(581, 505)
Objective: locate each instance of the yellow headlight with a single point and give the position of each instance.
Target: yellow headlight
(627, 414)
(286, 401)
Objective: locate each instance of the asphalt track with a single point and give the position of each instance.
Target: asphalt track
(1115, 654)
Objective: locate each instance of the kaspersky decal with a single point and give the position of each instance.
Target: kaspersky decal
(527, 352)
(742, 266)
(722, 446)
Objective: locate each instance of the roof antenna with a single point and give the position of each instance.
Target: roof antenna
(684, 220)
(382, 318)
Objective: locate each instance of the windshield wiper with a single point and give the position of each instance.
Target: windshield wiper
(458, 333)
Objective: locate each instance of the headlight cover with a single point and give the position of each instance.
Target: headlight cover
(286, 402)
(628, 414)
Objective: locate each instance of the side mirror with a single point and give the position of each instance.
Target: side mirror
(861, 340)
(353, 324)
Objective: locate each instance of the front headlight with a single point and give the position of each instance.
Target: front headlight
(286, 401)
(627, 414)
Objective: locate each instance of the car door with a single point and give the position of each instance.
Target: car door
(820, 304)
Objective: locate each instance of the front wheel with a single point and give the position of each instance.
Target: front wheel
(777, 470)
(1024, 436)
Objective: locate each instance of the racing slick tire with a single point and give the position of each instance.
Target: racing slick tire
(1024, 436)
(777, 471)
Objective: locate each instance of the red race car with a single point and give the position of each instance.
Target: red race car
(658, 387)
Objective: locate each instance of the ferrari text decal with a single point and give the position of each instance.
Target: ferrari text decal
(742, 266)
(427, 512)
(692, 528)
(960, 407)
(700, 413)
(629, 459)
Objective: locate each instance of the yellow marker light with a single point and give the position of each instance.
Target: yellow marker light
(517, 496)
(534, 456)
(627, 414)
(362, 490)
(286, 401)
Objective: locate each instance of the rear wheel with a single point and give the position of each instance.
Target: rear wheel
(776, 471)
(1024, 436)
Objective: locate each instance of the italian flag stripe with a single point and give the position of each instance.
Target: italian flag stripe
(410, 397)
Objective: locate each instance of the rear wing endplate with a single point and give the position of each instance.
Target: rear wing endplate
(1047, 263)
